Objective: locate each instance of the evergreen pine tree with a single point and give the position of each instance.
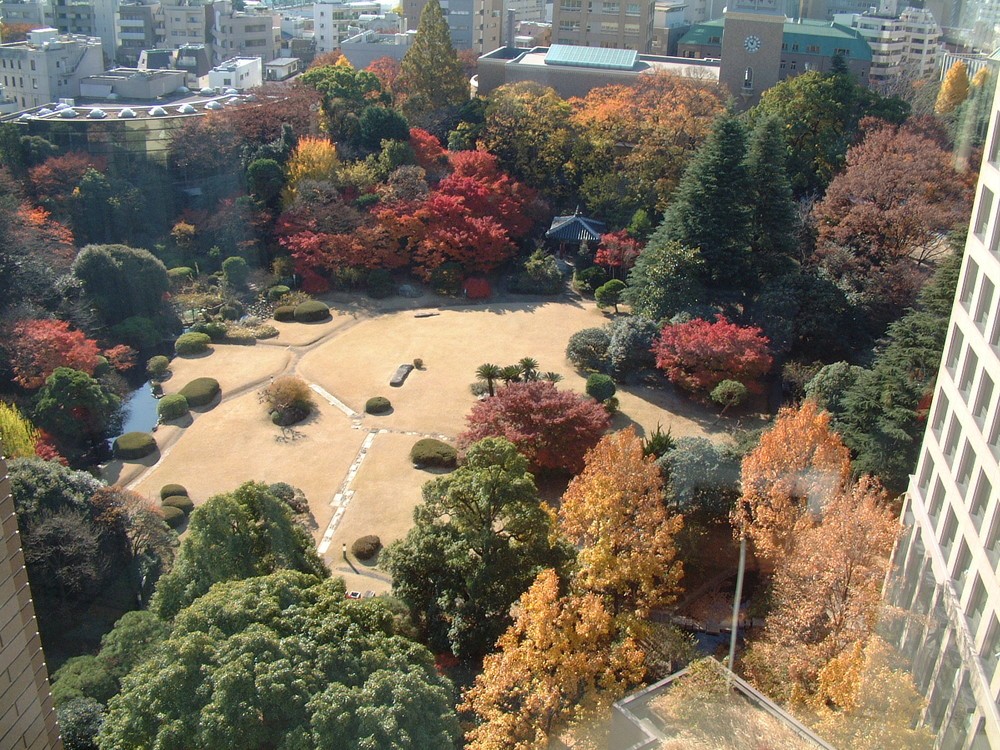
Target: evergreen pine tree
(774, 223)
(710, 210)
(431, 76)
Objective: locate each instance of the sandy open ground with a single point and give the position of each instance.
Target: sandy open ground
(354, 468)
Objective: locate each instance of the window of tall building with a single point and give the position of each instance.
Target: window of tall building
(983, 397)
(962, 560)
(992, 544)
(951, 439)
(632, 9)
(934, 503)
(980, 498)
(948, 530)
(968, 371)
(984, 304)
(631, 29)
(990, 651)
(983, 216)
(976, 606)
(995, 146)
(965, 464)
(611, 8)
(969, 283)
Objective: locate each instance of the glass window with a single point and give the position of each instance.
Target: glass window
(990, 651)
(969, 283)
(981, 496)
(985, 302)
(968, 371)
(983, 397)
(937, 495)
(995, 146)
(948, 531)
(611, 8)
(965, 464)
(983, 216)
(951, 441)
(632, 9)
(977, 604)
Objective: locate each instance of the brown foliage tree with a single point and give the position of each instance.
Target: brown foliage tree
(562, 658)
(826, 592)
(613, 512)
(798, 464)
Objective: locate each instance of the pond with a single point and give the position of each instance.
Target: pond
(139, 411)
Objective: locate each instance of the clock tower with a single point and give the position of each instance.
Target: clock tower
(751, 49)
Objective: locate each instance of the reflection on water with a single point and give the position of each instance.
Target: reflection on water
(139, 411)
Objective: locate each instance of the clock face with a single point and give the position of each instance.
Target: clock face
(751, 43)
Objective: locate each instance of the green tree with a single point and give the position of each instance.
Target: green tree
(665, 280)
(480, 537)
(122, 281)
(711, 211)
(819, 113)
(774, 223)
(282, 661)
(77, 410)
(527, 127)
(79, 722)
(609, 294)
(430, 74)
(883, 412)
(235, 535)
(490, 373)
(381, 123)
(265, 181)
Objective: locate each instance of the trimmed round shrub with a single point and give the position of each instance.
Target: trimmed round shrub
(157, 367)
(366, 547)
(201, 391)
(172, 490)
(180, 274)
(138, 332)
(213, 328)
(588, 349)
(380, 284)
(173, 516)
(236, 272)
(433, 452)
(192, 343)
(311, 311)
(231, 311)
(133, 445)
(170, 407)
(600, 387)
(284, 314)
(277, 292)
(183, 502)
(378, 405)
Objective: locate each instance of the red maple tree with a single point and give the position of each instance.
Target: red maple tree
(38, 347)
(618, 253)
(553, 429)
(698, 355)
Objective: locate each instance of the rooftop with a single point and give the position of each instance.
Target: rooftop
(829, 37)
(186, 107)
(591, 57)
(680, 66)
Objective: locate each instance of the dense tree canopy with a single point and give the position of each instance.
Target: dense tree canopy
(240, 534)
(282, 660)
(480, 537)
(431, 77)
(122, 281)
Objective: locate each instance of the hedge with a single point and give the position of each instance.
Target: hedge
(284, 314)
(172, 490)
(366, 547)
(173, 516)
(277, 292)
(378, 405)
(433, 452)
(180, 274)
(171, 407)
(311, 311)
(201, 391)
(157, 367)
(215, 329)
(183, 502)
(133, 445)
(192, 343)
(600, 387)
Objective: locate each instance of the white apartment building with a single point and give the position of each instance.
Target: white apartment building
(240, 73)
(908, 42)
(474, 24)
(947, 565)
(331, 21)
(48, 66)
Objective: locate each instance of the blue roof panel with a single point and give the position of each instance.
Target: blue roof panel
(591, 57)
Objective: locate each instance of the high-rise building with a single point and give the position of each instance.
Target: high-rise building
(618, 24)
(474, 24)
(27, 718)
(48, 66)
(945, 581)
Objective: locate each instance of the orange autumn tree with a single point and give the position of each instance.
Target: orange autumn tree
(613, 512)
(562, 659)
(826, 598)
(798, 464)
(37, 347)
(662, 118)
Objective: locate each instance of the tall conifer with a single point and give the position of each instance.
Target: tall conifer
(431, 76)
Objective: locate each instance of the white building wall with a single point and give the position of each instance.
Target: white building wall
(947, 564)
